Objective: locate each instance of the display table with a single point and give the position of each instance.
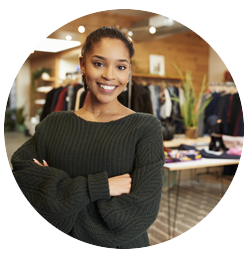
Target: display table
(202, 163)
(191, 165)
(180, 139)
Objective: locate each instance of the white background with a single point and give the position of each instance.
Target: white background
(224, 233)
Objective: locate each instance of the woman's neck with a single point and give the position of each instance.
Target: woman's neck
(94, 106)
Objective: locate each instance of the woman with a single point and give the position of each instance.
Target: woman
(97, 173)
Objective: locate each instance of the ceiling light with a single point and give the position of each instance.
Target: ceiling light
(160, 21)
(124, 29)
(169, 22)
(56, 45)
(152, 30)
(130, 33)
(81, 29)
(68, 37)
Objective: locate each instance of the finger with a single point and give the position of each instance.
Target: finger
(35, 161)
(45, 163)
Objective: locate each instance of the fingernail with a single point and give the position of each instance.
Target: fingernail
(34, 160)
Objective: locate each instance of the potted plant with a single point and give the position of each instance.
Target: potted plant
(20, 117)
(191, 108)
(9, 122)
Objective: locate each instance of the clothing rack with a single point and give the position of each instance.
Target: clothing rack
(226, 87)
(129, 89)
(72, 78)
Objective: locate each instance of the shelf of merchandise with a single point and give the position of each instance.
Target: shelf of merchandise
(152, 76)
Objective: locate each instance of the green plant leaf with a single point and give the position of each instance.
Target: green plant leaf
(191, 115)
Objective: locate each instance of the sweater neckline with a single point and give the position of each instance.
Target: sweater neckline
(118, 120)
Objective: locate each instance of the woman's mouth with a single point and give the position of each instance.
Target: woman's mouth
(106, 88)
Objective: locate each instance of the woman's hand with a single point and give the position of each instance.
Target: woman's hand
(120, 184)
(117, 185)
(44, 162)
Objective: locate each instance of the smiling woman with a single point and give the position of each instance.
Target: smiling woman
(105, 64)
(96, 173)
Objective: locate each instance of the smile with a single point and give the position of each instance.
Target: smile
(107, 87)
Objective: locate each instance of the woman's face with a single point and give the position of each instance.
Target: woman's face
(107, 68)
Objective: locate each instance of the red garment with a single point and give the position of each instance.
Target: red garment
(236, 128)
(60, 101)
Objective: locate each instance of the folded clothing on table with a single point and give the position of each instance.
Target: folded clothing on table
(206, 154)
(235, 151)
(182, 155)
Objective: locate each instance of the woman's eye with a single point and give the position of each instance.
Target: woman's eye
(121, 67)
(98, 64)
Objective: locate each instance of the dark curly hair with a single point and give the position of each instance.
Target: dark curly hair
(105, 32)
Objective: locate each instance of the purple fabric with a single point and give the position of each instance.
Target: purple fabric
(209, 155)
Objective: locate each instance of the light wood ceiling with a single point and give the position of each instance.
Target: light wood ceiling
(122, 19)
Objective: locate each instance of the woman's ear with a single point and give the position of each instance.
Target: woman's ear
(82, 66)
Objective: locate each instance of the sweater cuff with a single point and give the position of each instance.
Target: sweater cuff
(98, 186)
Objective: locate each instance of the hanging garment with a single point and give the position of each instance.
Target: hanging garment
(78, 96)
(210, 109)
(65, 102)
(166, 108)
(55, 98)
(220, 106)
(225, 116)
(155, 99)
(229, 111)
(60, 101)
(176, 113)
(140, 99)
(237, 124)
(75, 90)
(70, 95)
(235, 112)
(241, 126)
(47, 105)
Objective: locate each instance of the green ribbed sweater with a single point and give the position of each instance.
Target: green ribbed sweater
(73, 193)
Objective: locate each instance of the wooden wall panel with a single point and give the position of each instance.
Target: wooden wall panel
(187, 50)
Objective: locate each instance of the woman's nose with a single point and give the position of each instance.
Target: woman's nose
(108, 73)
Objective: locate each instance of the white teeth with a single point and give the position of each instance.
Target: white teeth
(107, 87)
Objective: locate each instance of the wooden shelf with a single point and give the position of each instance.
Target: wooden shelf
(50, 79)
(151, 76)
(44, 89)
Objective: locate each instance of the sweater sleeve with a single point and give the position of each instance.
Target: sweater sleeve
(51, 191)
(128, 216)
